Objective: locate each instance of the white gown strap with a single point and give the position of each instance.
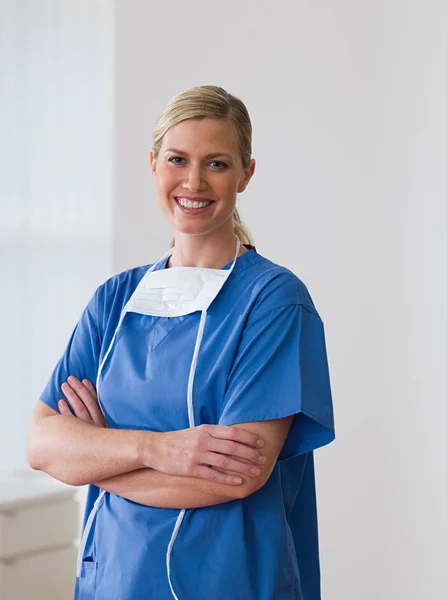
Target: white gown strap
(86, 532)
(191, 424)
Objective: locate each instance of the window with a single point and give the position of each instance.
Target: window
(56, 118)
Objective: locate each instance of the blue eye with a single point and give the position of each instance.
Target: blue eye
(215, 164)
(173, 158)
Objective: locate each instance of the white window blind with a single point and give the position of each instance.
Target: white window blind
(56, 145)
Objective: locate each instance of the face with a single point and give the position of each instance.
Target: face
(199, 161)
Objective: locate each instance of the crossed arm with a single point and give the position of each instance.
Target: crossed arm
(153, 488)
(189, 468)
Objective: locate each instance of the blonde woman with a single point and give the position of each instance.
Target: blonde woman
(192, 394)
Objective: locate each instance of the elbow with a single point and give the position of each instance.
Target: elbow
(38, 460)
(36, 450)
(37, 463)
(71, 479)
(35, 446)
(247, 488)
(33, 456)
(252, 484)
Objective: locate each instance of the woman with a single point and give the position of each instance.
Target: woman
(212, 378)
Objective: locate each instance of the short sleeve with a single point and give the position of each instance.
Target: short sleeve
(281, 369)
(81, 356)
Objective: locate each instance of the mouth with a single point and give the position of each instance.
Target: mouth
(190, 205)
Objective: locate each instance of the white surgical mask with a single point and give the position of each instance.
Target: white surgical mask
(179, 290)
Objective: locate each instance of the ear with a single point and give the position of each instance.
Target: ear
(152, 162)
(248, 174)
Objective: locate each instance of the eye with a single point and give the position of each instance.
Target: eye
(219, 163)
(175, 158)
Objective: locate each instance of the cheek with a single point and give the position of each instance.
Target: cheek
(166, 180)
(225, 186)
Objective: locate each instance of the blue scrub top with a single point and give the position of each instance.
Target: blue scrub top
(263, 356)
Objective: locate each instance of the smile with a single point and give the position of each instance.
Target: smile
(192, 206)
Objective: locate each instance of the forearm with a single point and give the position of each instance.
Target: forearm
(152, 488)
(77, 453)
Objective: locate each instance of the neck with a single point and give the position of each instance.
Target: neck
(194, 251)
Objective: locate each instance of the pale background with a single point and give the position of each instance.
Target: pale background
(348, 102)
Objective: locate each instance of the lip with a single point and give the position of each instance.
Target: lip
(193, 211)
(194, 198)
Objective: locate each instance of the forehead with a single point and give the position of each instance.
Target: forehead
(203, 136)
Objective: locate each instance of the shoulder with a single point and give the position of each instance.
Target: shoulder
(112, 295)
(124, 282)
(274, 286)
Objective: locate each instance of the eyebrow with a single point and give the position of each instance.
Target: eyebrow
(212, 155)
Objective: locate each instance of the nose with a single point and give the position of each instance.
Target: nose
(195, 181)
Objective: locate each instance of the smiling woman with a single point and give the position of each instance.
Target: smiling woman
(202, 153)
(211, 393)
(196, 192)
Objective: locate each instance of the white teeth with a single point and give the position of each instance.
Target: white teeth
(191, 204)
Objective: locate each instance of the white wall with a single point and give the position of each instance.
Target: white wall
(348, 106)
(56, 123)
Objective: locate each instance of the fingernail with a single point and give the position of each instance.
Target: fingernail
(64, 386)
(72, 379)
(237, 479)
(255, 471)
(260, 443)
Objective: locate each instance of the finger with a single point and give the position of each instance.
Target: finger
(231, 464)
(64, 409)
(76, 403)
(236, 449)
(210, 474)
(90, 401)
(94, 406)
(91, 388)
(235, 433)
(93, 403)
(224, 472)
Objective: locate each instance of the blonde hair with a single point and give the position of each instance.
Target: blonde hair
(210, 101)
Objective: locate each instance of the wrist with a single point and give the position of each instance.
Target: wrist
(147, 448)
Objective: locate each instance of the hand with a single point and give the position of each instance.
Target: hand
(209, 452)
(205, 451)
(83, 400)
